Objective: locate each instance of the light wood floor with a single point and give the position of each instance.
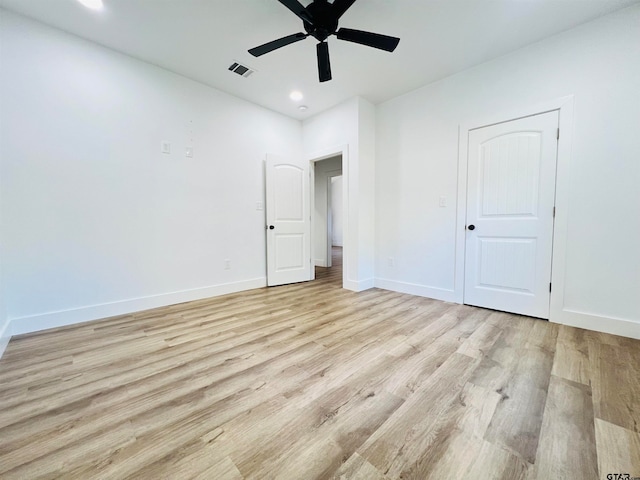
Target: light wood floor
(312, 381)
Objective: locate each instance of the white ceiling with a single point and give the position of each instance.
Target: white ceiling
(201, 38)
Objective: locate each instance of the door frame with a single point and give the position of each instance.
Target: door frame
(330, 214)
(564, 106)
(343, 151)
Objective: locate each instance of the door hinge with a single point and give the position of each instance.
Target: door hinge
(554, 212)
(549, 286)
(558, 134)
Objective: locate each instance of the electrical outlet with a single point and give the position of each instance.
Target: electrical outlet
(227, 264)
(259, 206)
(189, 152)
(392, 262)
(165, 147)
(443, 201)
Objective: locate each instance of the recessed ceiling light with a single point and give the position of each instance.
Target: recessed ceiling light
(302, 107)
(296, 96)
(92, 4)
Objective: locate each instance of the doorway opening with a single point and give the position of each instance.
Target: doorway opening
(327, 218)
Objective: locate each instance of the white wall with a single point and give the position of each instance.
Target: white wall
(336, 211)
(96, 220)
(417, 157)
(323, 170)
(351, 125)
(5, 333)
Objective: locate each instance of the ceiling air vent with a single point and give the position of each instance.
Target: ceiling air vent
(241, 70)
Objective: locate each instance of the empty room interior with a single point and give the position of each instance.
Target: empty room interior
(282, 239)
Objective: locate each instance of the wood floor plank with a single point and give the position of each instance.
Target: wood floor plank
(357, 468)
(518, 418)
(497, 463)
(403, 438)
(419, 364)
(190, 461)
(223, 470)
(616, 383)
(572, 355)
(518, 367)
(457, 440)
(481, 340)
(618, 449)
(567, 439)
(314, 381)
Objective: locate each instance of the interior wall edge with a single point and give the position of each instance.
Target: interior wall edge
(44, 321)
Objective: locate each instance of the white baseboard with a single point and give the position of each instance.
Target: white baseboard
(5, 336)
(359, 286)
(588, 321)
(416, 289)
(95, 312)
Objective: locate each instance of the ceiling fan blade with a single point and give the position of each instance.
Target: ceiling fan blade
(296, 7)
(341, 6)
(375, 40)
(274, 45)
(324, 65)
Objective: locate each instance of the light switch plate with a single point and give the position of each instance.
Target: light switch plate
(189, 152)
(443, 201)
(165, 147)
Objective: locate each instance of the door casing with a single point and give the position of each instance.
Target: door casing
(347, 248)
(565, 107)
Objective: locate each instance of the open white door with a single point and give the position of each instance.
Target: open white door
(510, 209)
(288, 221)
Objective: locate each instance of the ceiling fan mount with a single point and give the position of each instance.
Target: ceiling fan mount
(325, 23)
(320, 20)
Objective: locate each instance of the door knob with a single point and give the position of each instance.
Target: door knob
(271, 227)
(471, 227)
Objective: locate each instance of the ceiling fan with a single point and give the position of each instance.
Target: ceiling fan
(320, 19)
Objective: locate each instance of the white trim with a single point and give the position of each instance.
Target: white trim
(564, 106)
(561, 224)
(347, 249)
(330, 175)
(461, 214)
(5, 337)
(360, 286)
(329, 224)
(589, 321)
(416, 289)
(62, 318)
(320, 262)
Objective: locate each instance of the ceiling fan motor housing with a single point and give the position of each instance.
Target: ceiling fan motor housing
(325, 20)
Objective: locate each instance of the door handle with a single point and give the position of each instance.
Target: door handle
(471, 227)
(271, 227)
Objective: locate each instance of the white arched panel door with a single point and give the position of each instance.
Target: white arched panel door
(288, 222)
(510, 205)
